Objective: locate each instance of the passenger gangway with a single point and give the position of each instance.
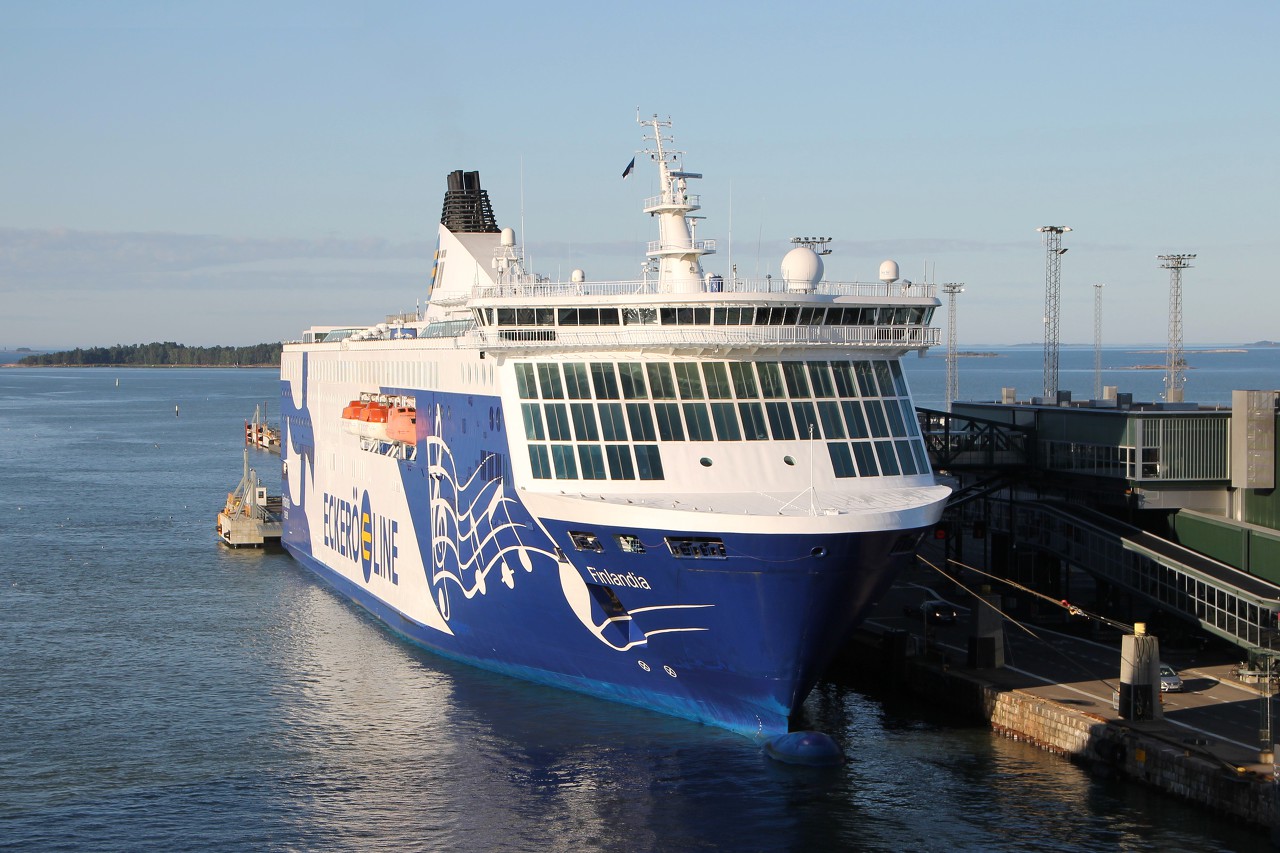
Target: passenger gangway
(1226, 602)
(966, 443)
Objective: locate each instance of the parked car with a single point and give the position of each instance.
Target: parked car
(1170, 681)
(934, 611)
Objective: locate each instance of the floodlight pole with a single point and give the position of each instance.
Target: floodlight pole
(1052, 299)
(953, 380)
(1175, 374)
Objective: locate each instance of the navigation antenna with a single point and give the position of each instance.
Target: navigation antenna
(1175, 370)
(819, 245)
(1052, 287)
(1097, 341)
(952, 290)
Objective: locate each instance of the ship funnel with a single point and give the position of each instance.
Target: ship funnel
(466, 205)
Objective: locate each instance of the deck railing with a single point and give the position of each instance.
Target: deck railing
(629, 337)
(529, 288)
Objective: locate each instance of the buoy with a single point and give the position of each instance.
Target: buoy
(814, 749)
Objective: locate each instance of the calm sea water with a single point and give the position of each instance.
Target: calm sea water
(160, 692)
(1211, 375)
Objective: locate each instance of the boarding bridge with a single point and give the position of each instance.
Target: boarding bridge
(1138, 455)
(1225, 601)
(963, 442)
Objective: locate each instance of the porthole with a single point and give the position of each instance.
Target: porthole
(705, 461)
(790, 460)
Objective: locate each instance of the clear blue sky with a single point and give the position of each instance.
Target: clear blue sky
(229, 173)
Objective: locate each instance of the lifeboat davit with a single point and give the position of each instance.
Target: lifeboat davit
(402, 424)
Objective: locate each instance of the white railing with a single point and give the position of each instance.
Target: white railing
(698, 246)
(691, 201)
(629, 337)
(526, 289)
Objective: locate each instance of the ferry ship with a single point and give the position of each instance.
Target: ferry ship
(680, 492)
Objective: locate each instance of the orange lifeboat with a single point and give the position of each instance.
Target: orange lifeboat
(402, 424)
(374, 413)
(353, 410)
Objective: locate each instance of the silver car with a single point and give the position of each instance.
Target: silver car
(1170, 681)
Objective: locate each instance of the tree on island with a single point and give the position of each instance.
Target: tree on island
(159, 354)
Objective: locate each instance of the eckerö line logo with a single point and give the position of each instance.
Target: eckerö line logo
(363, 535)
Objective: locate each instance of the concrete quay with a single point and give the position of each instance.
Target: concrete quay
(1059, 691)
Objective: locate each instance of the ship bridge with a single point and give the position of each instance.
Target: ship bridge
(739, 313)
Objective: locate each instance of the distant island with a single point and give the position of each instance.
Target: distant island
(168, 354)
(969, 354)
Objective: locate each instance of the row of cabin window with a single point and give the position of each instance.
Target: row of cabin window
(887, 458)
(715, 380)
(592, 462)
(708, 316)
(781, 421)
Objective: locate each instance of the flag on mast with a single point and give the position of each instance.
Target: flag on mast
(628, 170)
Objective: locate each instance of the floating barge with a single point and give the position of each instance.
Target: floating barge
(251, 517)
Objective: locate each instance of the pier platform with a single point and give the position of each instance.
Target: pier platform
(1058, 687)
(251, 517)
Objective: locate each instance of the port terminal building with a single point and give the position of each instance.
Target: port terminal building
(1157, 508)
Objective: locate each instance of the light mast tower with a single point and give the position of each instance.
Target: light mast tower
(1175, 370)
(953, 379)
(1052, 293)
(1097, 341)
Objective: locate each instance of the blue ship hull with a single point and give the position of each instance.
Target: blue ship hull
(770, 625)
(734, 638)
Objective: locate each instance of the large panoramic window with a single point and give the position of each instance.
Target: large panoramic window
(598, 420)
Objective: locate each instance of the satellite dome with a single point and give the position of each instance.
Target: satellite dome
(508, 237)
(801, 269)
(889, 272)
(577, 276)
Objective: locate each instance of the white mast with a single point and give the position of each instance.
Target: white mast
(678, 253)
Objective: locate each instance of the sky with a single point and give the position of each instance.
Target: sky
(235, 172)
